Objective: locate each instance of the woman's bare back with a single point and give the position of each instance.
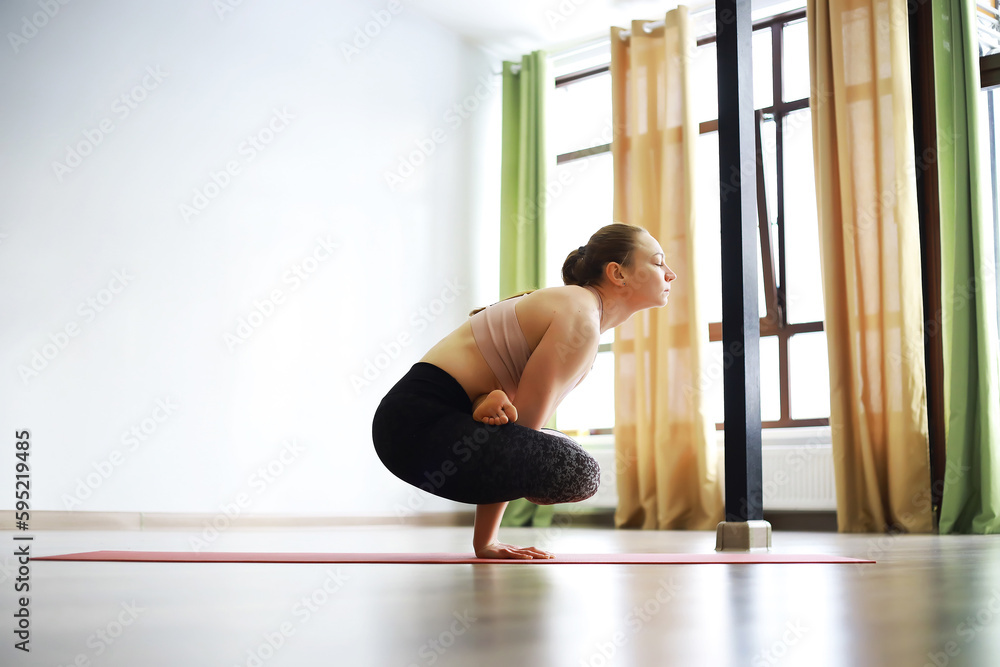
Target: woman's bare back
(458, 354)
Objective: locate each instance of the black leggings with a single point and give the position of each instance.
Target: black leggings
(425, 435)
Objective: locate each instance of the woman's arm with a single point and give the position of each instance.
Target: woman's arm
(484, 539)
(487, 523)
(566, 351)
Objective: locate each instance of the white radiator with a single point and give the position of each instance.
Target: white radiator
(798, 477)
(797, 469)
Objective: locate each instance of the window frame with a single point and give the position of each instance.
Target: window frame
(775, 321)
(989, 83)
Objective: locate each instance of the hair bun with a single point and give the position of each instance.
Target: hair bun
(611, 243)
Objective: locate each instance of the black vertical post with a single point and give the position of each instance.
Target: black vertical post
(921, 20)
(740, 319)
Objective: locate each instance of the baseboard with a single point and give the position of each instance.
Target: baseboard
(592, 517)
(812, 521)
(63, 520)
(809, 522)
(597, 517)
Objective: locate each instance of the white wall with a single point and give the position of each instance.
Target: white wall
(162, 335)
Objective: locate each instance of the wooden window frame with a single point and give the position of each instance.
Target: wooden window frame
(774, 322)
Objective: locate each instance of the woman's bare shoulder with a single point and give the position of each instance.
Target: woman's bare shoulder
(559, 296)
(572, 306)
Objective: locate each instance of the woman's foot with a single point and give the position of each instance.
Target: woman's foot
(495, 409)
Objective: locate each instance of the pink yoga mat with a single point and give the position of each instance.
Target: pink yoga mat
(614, 559)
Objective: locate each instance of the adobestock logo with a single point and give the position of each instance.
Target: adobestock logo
(264, 308)
(123, 106)
(259, 480)
(372, 29)
(38, 20)
(373, 367)
(249, 148)
(88, 309)
(105, 636)
(131, 439)
(454, 117)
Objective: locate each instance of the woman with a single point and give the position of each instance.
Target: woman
(465, 422)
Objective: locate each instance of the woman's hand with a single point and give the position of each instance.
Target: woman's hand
(501, 550)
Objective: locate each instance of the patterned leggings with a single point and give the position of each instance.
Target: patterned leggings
(425, 435)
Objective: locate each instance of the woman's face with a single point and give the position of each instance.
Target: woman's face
(649, 276)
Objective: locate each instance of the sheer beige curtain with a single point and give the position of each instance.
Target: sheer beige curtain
(664, 438)
(870, 257)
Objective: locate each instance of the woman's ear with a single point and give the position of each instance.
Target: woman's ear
(613, 272)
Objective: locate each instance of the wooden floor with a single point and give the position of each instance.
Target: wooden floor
(928, 601)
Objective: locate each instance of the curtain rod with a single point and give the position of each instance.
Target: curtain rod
(650, 26)
(647, 27)
(514, 69)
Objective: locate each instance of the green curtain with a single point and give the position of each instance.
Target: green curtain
(522, 209)
(523, 173)
(971, 497)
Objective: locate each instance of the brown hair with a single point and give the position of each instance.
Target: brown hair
(611, 243)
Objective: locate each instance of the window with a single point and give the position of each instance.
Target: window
(794, 389)
(581, 188)
(988, 27)
(989, 123)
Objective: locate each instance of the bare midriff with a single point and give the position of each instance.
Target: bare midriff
(459, 356)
